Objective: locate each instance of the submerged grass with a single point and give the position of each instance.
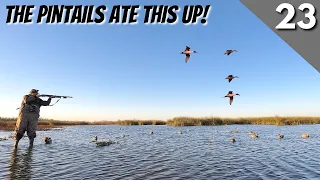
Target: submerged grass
(9, 123)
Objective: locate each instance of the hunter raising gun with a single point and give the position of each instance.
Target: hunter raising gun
(29, 115)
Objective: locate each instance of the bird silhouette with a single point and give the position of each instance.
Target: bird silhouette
(187, 52)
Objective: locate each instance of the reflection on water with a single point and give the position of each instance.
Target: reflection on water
(197, 153)
(19, 167)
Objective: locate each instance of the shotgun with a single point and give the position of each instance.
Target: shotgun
(52, 96)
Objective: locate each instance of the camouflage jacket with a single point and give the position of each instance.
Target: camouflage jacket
(31, 104)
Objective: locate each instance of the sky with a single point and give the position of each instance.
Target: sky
(136, 71)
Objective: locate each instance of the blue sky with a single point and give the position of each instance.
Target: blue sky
(135, 71)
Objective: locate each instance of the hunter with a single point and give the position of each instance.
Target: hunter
(29, 116)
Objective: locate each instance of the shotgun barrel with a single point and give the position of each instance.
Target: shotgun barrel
(54, 96)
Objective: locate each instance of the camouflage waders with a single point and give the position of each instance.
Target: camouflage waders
(28, 117)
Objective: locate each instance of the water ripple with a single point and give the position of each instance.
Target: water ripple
(198, 153)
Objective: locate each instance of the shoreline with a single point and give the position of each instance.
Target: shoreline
(8, 124)
(40, 128)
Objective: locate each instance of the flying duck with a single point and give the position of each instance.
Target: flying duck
(187, 52)
(230, 95)
(230, 77)
(228, 52)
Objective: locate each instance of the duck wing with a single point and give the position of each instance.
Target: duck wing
(187, 57)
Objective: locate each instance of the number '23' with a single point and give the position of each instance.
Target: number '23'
(284, 24)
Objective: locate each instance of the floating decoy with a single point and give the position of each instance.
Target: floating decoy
(230, 77)
(228, 52)
(47, 140)
(254, 135)
(280, 136)
(305, 135)
(187, 52)
(232, 140)
(3, 139)
(150, 132)
(180, 132)
(95, 138)
(103, 143)
(230, 95)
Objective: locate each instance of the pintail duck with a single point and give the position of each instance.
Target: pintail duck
(280, 136)
(230, 77)
(305, 135)
(180, 132)
(230, 95)
(151, 132)
(187, 52)
(232, 140)
(47, 140)
(228, 52)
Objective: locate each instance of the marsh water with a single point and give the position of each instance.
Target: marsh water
(202, 152)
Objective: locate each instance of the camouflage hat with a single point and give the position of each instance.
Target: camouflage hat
(34, 91)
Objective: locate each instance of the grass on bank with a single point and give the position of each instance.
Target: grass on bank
(9, 123)
(214, 121)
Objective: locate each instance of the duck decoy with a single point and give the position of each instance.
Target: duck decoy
(103, 143)
(254, 135)
(47, 140)
(95, 138)
(232, 140)
(228, 52)
(230, 77)
(187, 52)
(180, 132)
(3, 139)
(305, 135)
(280, 136)
(151, 132)
(230, 95)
